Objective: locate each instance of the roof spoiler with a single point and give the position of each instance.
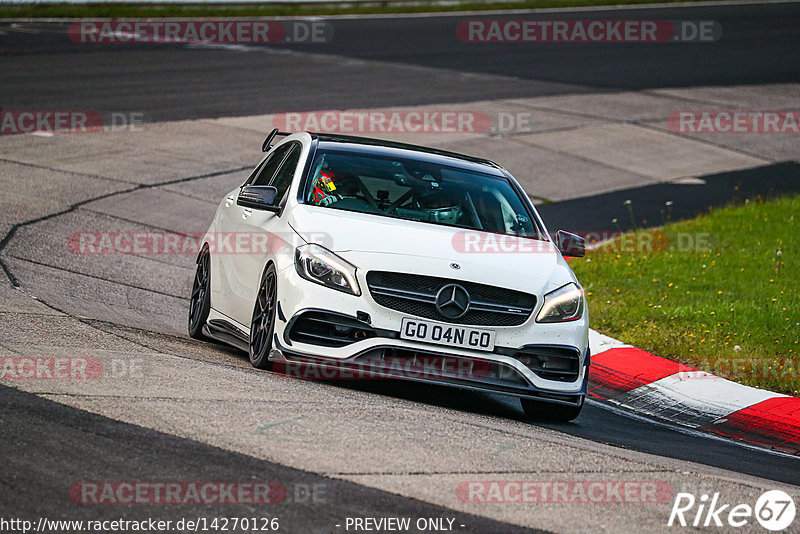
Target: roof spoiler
(268, 141)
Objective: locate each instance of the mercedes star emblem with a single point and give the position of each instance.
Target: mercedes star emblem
(452, 301)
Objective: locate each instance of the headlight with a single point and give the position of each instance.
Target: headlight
(563, 304)
(320, 265)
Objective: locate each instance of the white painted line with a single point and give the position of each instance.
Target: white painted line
(221, 46)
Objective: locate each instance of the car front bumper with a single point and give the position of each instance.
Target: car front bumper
(515, 366)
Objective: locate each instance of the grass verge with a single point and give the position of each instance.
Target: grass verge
(719, 293)
(26, 10)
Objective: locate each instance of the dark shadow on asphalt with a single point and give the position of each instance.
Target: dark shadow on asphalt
(649, 203)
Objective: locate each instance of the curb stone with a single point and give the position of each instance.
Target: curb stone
(648, 384)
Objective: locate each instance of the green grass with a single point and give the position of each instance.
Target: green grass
(140, 9)
(730, 306)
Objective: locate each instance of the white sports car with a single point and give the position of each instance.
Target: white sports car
(362, 257)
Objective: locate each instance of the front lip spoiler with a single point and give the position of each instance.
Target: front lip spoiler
(280, 353)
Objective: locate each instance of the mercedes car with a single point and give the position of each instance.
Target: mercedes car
(350, 257)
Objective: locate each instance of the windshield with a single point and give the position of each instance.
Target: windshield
(417, 191)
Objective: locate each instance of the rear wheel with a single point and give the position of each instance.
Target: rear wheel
(546, 411)
(262, 325)
(200, 301)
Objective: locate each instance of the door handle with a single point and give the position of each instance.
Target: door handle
(246, 212)
(229, 201)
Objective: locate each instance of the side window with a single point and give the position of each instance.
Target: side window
(264, 176)
(283, 179)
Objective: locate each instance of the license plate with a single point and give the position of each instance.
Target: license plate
(447, 334)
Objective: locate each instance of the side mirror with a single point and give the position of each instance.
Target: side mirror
(259, 197)
(570, 244)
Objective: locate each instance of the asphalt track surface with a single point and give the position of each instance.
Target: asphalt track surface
(395, 58)
(392, 61)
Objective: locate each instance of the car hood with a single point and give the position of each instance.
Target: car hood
(380, 243)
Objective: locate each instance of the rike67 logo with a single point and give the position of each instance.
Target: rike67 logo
(774, 510)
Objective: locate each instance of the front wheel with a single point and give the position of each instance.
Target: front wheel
(546, 411)
(263, 324)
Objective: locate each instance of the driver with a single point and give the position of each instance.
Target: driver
(442, 206)
(331, 186)
(323, 193)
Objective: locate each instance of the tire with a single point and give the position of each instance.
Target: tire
(545, 411)
(262, 326)
(200, 300)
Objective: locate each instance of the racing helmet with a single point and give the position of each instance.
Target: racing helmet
(442, 206)
(324, 189)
